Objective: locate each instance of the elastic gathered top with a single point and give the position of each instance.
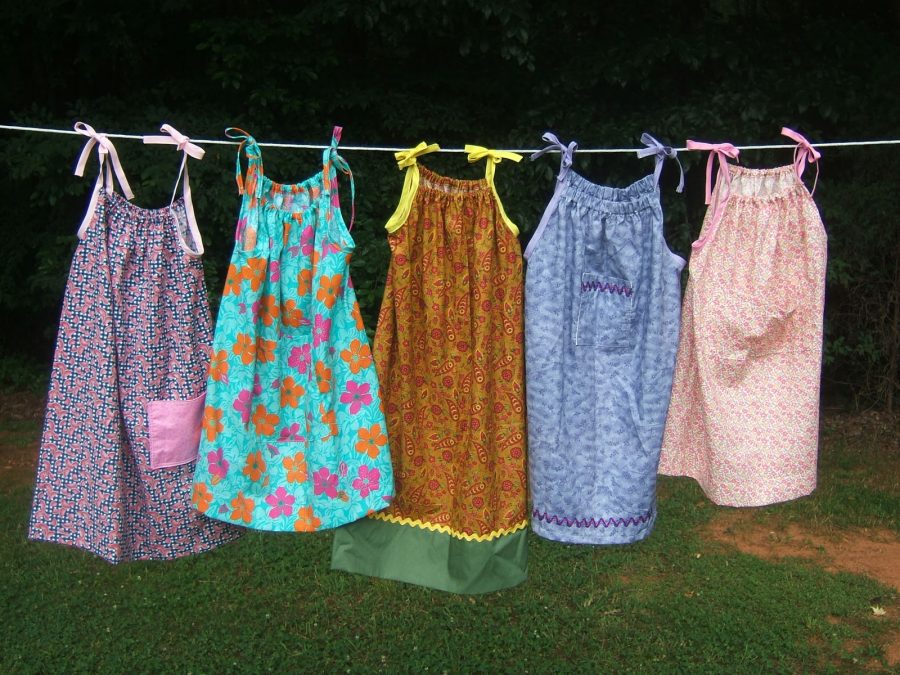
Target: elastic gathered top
(139, 214)
(642, 194)
(147, 228)
(452, 188)
(408, 159)
(765, 184)
(255, 185)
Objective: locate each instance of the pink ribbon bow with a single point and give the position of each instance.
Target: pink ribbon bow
(105, 148)
(802, 153)
(183, 143)
(177, 139)
(722, 151)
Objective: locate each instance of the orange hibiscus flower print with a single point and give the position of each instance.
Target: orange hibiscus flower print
(330, 418)
(242, 508)
(268, 309)
(357, 317)
(233, 281)
(212, 422)
(218, 366)
(265, 350)
(371, 441)
(323, 375)
(304, 282)
(306, 520)
(255, 272)
(296, 468)
(329, 289)
(291, 315)
(243, 347)
(291, 392)
(264, 421)
(358, 356)
(255, 466)
(201, 497)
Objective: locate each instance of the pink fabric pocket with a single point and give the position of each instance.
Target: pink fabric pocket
(174, 429)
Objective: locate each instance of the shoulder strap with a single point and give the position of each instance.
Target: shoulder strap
(188, 149)
(494, 157)
(565, 165)
(567, 152)
(104, 147)
(249, 146)
(244, 235)
(722, 151)
(802, 153)
(661, 152)
(330, 160)
(408, 159)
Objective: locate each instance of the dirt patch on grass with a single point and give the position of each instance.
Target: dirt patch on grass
(21, 406)
(17, 459)
(20, 428)
(873, 552)
(892, 650)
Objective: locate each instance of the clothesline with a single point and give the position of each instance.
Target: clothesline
(364, 148)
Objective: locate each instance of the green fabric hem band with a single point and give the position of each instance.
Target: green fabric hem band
(378, 548)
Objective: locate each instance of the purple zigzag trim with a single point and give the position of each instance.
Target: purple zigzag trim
(605, 287)
(591, 522)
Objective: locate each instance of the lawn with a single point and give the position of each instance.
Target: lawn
(681, 601)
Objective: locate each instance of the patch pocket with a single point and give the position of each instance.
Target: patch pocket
(743, 325)
(174, 430)
(605, 313)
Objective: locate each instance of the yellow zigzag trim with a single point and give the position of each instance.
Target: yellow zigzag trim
(400, 520)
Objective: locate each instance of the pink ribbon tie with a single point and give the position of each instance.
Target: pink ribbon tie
(105, 148)
(803, 153)
(178, 139)
(183, 143)
(722, 151)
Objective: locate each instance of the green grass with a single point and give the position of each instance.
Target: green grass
(674, 603)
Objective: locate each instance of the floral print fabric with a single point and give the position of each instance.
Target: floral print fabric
(744, 416)
(293, 429)
(449, 349)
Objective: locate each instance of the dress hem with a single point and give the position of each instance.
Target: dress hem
(413, 555)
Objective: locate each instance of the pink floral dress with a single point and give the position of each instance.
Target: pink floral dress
(744, 416)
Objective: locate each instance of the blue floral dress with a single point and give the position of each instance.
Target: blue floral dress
(294, 435)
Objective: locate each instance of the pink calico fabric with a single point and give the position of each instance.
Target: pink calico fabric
(122, 427)
(744, 416)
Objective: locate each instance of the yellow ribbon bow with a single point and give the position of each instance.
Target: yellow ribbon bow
(406, 158)
(476, 153)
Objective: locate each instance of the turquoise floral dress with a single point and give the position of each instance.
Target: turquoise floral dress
(294, 435)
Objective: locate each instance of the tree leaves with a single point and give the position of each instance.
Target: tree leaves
(492, 72)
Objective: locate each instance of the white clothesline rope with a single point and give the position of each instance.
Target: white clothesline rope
(523, 151)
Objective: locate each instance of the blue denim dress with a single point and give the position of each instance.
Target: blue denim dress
(602, 312)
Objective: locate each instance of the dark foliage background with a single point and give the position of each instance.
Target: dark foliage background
(495, 73)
